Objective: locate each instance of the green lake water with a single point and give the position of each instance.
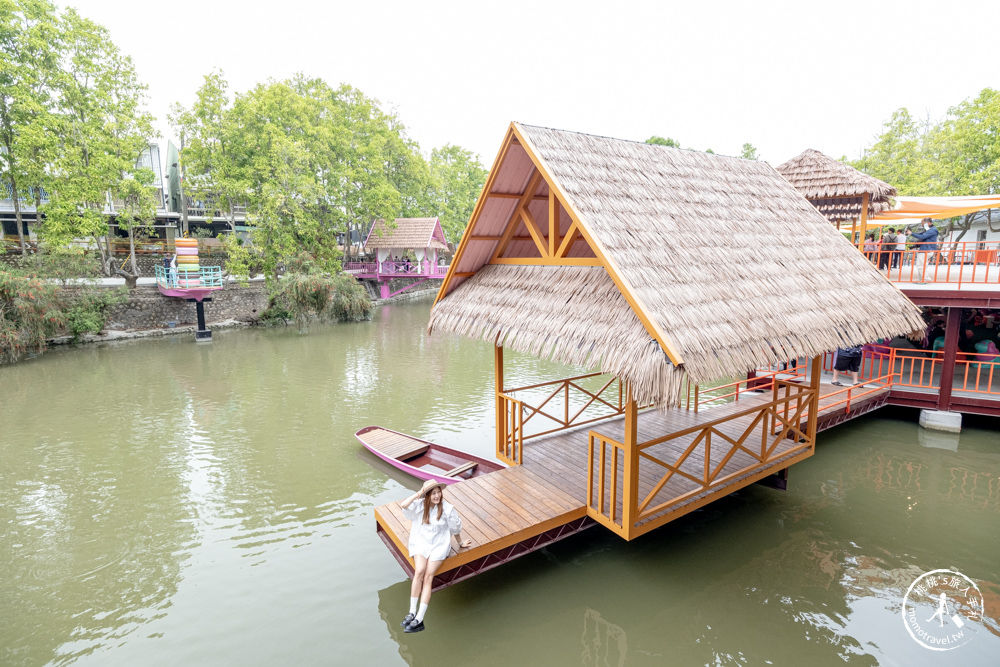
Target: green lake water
(168, 503)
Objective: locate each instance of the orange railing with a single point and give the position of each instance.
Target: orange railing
(614, 498)
(510, 426)
(562, 404)
(763, 380)
(952, 262)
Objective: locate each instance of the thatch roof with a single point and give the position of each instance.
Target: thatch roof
(407, 233)
(715, 261)
(835, 188)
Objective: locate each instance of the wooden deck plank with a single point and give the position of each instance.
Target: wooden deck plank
(488, 494)
(530, 502)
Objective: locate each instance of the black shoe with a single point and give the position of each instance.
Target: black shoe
(414, 626)
(406, 620)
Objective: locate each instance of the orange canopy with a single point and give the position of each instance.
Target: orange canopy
(936, 208)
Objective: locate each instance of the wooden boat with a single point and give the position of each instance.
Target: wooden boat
(423, 459)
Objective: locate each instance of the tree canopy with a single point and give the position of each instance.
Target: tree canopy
(958, 155)
(309, 162)
(72, 125)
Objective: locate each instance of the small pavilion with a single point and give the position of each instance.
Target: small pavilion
(392, 244)
(838, 191)
(654, 268)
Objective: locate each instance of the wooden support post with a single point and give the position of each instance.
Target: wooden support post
(952, 332)
(501, 407)
(630, 491)
(864, 222)
(814, 373)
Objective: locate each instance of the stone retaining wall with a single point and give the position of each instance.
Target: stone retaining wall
(148, 309)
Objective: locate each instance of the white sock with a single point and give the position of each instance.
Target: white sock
(420, 614)
(413, 605)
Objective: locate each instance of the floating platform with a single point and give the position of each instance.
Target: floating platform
(523, 508)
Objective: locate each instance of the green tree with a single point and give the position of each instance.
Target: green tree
(29, 43)
(212, 154)
(102, 128)
(458, 179)
(959, 155)
(748, 152)
(660, 141)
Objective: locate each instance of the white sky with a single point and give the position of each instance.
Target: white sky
(784, 76)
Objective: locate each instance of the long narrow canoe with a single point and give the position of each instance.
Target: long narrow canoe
(423, 459)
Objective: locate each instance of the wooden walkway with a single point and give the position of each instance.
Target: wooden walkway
(522, 508)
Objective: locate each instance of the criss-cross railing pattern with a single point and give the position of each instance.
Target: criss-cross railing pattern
(632, 493)
(563, 403)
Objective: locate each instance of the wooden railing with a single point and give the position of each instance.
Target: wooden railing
(975, 372)
(613, 474)
(763, 380)
(563, 403)
(510, 446)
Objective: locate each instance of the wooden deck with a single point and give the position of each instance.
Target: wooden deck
(522, 508)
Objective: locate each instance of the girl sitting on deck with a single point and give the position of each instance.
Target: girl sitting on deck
(433, 522)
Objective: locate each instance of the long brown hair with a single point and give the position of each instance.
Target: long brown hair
(427, 505)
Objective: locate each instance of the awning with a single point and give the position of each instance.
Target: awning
(936, 208)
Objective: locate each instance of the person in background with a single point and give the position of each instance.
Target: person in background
(897, 257)
(848, 360)
(433, 522)
(927, 247)
(871, 247)
(887, 245)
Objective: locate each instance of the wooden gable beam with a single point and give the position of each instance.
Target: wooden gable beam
(529, 192)
(638, 307)
(536, 233)
(571, 235)
(553, 223)
(508, 141)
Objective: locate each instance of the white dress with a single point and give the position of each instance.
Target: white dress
(432, 540)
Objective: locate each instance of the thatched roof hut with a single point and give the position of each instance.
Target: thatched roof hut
(649, 262)
(406, 233)
(836, 189)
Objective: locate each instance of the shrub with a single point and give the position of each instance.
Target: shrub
(88, 312)
(304, 296)
(29, 314)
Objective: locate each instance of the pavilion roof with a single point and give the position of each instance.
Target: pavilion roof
(686, 263)
(407, 233)
(835, 188)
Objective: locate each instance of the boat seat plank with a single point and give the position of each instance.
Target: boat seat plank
(405, 453)
(458, 470)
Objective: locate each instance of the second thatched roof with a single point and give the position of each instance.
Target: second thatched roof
(407, 233)
(835, 188)
(717, 262)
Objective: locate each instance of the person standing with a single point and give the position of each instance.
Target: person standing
(897, 257)
(886, 247)
(928, 246)
(848, 360)
(871, 247)
(433, 522)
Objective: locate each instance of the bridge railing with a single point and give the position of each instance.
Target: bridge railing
(393, 267)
